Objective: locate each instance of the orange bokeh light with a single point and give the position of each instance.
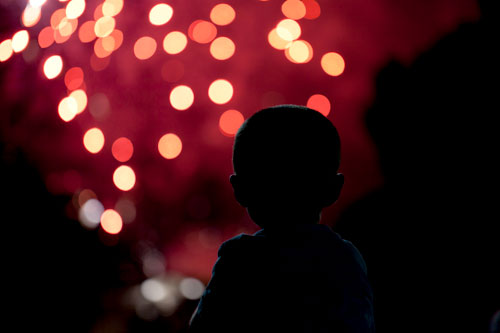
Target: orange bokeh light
(144, 48)
(220, 91)
(170, 146)
(93, 140)
(111, 221)
(56, 18)
(67, 108)
(181, 97)
(202, 31)
(332, 63)
(222, 14)
(222, 48)
(73, 78)
(230, 121)
(293, 9)
(319, 103)
(101, 50)
(276, 41)
(46, 37)
(86, 33)
(6, 50)
(117, 37)
(20, 41)
(299, 52)
(52, 67)
(122, 149)
(174, 42)
(124, 178)
(160, 14)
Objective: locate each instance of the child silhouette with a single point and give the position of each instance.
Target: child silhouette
(293, 275)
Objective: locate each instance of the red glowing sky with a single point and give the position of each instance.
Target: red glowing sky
(174, 196)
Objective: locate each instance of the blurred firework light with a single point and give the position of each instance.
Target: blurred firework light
(131, 106)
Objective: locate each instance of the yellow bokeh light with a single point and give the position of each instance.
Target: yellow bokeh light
(20, 40)
(124, 178)
(222, 48)
(319, 103)
(174, 42)
(93, 140)
(222, 14)
(181, 97)
(170, 146)
(332, 63)
(67, 109)
(144, 48)
(230, 121)
(299, 52)
(104, 26)
(52, 67)
(293, 9)
(81, 99)
(6, 50)
(276, 41)
(75, 9)
(111, 221)
(288, 30)
(160, 14)
(220, 91)
(112, 7)
(31, 16)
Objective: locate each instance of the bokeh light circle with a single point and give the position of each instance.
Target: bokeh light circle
(111, 221)
(288, 30)
(20, 41)
(333, 64)
(222, 48)
(202, 31)
(181, 97)
(222, 14)
(319, 103)
(230, 121)
(170, 146)
(124, 178)
(122, 149)
(67, 108)
(52, 67)
(93, 140)
(299, 51)
(293, 9)
(174, 42)
(220, 91)
(6, 50)
(144, 48)
(160, 14)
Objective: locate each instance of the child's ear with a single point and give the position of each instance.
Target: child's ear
(332, 191)
(240, 190)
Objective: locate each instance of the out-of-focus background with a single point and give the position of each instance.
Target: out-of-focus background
(116, 128)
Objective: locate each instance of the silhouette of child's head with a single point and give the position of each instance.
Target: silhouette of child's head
(285, 161)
